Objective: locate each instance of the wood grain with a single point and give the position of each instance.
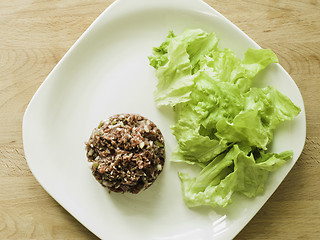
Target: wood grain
(36, 34)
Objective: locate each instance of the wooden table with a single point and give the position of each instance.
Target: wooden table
(35, 34)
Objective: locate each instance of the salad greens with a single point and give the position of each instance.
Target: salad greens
(223, 124)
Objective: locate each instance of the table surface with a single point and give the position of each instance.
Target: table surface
(34, 36)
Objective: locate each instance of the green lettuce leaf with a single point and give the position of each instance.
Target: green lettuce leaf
(175, 60)
(228, 173)
(263, 110)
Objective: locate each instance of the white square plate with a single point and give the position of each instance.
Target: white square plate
(107, 72)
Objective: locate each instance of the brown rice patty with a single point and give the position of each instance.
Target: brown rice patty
(126, 153)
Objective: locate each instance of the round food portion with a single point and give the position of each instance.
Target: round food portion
(126, 153)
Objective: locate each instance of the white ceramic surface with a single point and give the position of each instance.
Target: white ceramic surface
(107, 72)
